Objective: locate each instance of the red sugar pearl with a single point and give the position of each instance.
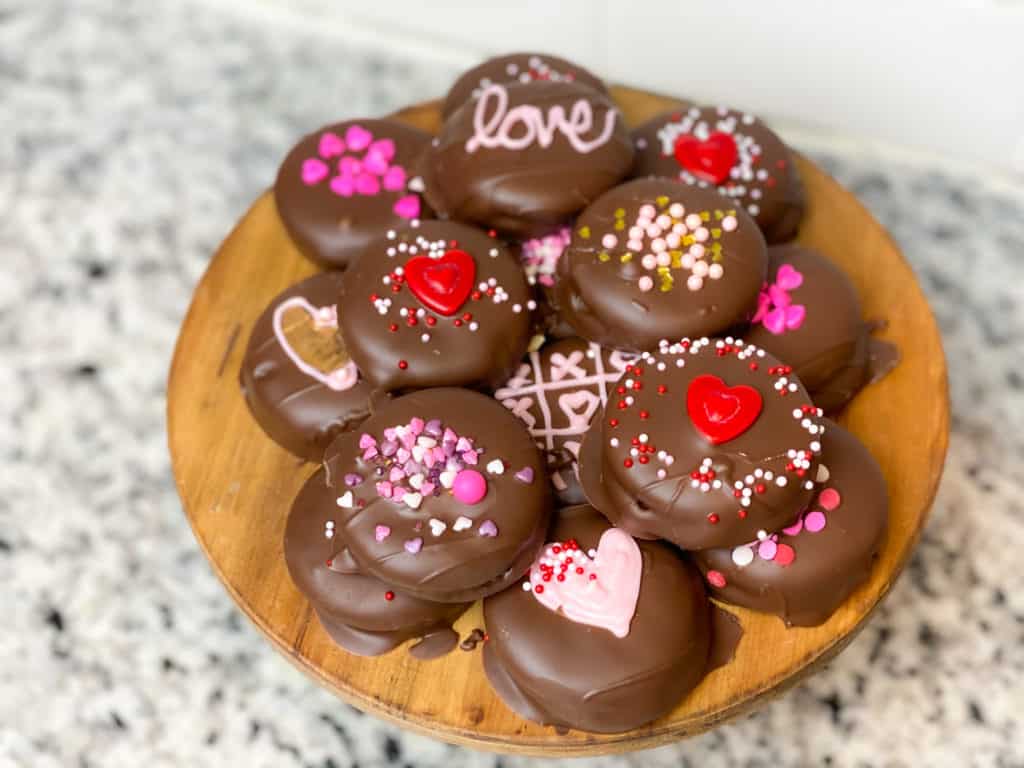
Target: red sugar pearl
(644, 415)
(475, 295)
(627, 463)
(613, 422)
(662, 389)
(760, 488)
(389, 595)
(753, 366)
(713, 518)
(402, 364)
(539, 589)
(431, 321)
(393, 327)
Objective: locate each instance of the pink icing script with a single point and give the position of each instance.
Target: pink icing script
(604, 594)
(323, 317)
(496, 130)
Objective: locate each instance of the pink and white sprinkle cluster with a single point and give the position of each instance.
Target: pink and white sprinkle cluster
(540, 256)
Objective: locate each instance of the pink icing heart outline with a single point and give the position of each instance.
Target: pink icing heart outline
(609, 601)
(340, 379)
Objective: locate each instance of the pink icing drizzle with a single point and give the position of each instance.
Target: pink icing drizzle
(340, 379)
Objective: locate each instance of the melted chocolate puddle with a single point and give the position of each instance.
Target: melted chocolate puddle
(435, 645)
(726, 633)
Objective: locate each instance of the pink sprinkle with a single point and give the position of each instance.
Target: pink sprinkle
(403, 455)
(407, 206)
(469, 486)
(829, 499)
(525, 475)
(398, 493)
(357, 138)
(352, 479)
(369, 453)
(396, 474)
(313, 171)
(815, 521)
(330, 145)
(349, 166)
(469, 457)
(716, 579)
(767, 549)
(344, 186)
(384, 147)
(389, 433)
(609, 240)
(795, 528)
(427, 488)
(785, 555)
(449, 436)
(384, 488)
(488, 529)
(463, 445)
(381, 532)
(375, 162)
(394, 179)
(416, 426)
(367, 184)
(412, 546)
(366, 440)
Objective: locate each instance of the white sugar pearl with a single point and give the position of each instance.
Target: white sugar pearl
(694, 283)
(700, 269)
(664, 259)
(702, 234)
(676, 210)
(715, 271)
(645, 284)
(693, 221)
(649, 261)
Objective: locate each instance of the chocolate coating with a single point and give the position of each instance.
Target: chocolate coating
(517, 68)
(442, 545)
(559, 672)
(762, 177)
(827, 564)
(335, 194)
(617, 288)
(352, 605)
(680, 486)
(520, 185)
(477, 344)
(297, 411)
(556, 391)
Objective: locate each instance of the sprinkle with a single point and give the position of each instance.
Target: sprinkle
(829, 499)
(437, 527)
(462, 523)
(412, 546)
(525, 475)
(468, 486)
(413, 500)
(815, 521)
(352, 479)
(823, 474)
(743, 556)
(381, 532)
(389, 595)
(496, 467)
(346, 501)
(716, 579)
(488, 529)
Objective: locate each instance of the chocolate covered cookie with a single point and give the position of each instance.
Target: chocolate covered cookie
(442, 494)
(713, 441)
(654, 259)
(805, 571)
(343, 185)
(439, 303)
(524, 158)
(732, 152)
(556, 393)
(809, 316)
(297, 377)
(605, 634)
(515, 68)
(361, 613)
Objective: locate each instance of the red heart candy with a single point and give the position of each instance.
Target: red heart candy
(721, 413)
(710, 159)
(443, 284)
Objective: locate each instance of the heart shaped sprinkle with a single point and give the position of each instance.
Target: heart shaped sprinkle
(346, 501)
(462, 523)
(525, 475)
(331, 145)
(437, 527)
(408, 207)
(357, 138)
(313, 171)
(488, 529)
(496, 467)
(381, 532)
(412, 546)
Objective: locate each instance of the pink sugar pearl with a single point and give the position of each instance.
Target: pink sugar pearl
(469, 486)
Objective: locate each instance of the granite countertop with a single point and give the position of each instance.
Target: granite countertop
(133, 137)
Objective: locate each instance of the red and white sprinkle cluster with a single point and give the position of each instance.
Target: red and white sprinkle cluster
(748, 180)
(536, 69)
(561, 561)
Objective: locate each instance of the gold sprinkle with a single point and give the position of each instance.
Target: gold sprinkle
(620, 225)
(584, 232)
(705, 216)
(718, 215)
(677, 259)
(661, 200)
(603, 256)
(689, 240)
(716, 233)
(626, 257)
(731, 212)
(620, 213)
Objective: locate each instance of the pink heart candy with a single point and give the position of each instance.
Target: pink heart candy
(412, 546)
(367, 184)
(366, 440)
(775, 322)
(375, 163)
(313, 171)
(788, 278)
(357, 138)
(779, 296)
(331, 145)
(344, 186)
(795, 314)
(349, 166)
(381, 532)
(383, 147)
(394, 178)
(407, 207)
(609, 601)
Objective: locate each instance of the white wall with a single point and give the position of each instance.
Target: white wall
(942, 77)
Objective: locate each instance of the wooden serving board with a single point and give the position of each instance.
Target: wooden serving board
(237, 487)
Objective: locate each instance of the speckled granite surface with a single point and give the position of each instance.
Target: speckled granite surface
(133, 136)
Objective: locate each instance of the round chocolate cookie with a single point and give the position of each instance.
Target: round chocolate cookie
(342, 185)
(804, 572)
(435, 304)
(524, 158)
(442, 494)
(808, 315)
(363, 614)
(556, 393)
(298, 380)
(732, 152)
(604, 635)
(517, 68)
(713, 441)
(654, 259)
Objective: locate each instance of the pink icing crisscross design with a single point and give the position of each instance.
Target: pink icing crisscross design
(357, 164)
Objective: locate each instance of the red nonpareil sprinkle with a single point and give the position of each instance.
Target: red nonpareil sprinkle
(579, 569)
(696, 475)
(662, 389)
(644, 459)
(539, 589)
(467, 316)
(457, 322)
(330, 562)
(620, 389)
(627, 463)
(560, 577)
(634, 441)
(737, 493)
(622, 405)
(411, 320)
(713, 518)
(637, 385)
(453, 243)
(716, 579)
(557, 548)
(389, 595)
(638, 370)
(393, 327)
(374, 297)
(546, 576)
(402, 364)
(645, 415)
(431, 321)
(492, 233)
(593, 577)
(475, 295)
(753, 366)
(395, 287)
(742, 513)
(490, 291)
(613, 422)
(629, 369)
(760, 488)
